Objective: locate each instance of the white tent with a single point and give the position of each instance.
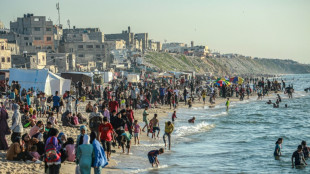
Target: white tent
(40, 80)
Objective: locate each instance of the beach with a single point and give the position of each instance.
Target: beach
(164, 112)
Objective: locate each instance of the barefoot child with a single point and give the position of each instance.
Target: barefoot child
(174, 116)
(152, 155)
(136, 131)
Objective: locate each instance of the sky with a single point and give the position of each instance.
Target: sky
(257, 28)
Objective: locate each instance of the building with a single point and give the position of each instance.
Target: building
(33, 33)
(29, 60)
(127, 36)
(155, 46)
(198, 51)
(64, 62)
(173, 47)
(1, 25)
(86, 43)
(142, 37)
(5, 55)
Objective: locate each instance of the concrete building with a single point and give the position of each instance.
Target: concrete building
(1, 25)
(58, 33)
(144, 38)
(63, 62)
(127, 36)
(173, 47)
(5, 55)
(29, 60)
(34, 33)
(86, 43)
(199, 51)
(155, 46)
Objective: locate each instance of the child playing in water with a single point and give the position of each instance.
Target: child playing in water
(152, 155)
(192, 120)
(277, 150)
(174, 116)
(137, 130)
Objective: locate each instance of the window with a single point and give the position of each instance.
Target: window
(2, 59)
(30, 43)
(48, 29)
(102, 46)
(26, 38)
(36, 28)
(80, 46)
(38, 48)
(89, 46)
(48, 38)
(37, 38)
(71, 50)
(43, 58)
(39, 61)
(36, 19)
(26, 43)
(81, 55)
(98, 55)
(8, 59)
(97, 46)
(52, 57)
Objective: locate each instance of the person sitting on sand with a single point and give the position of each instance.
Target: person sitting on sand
(192, 120)
(89, 108)
(298, 155)
(152, 155)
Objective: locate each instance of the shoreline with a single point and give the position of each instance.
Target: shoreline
(164, 112)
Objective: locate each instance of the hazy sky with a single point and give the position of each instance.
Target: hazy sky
(262, 28)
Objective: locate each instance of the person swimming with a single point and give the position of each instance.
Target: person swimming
(269, 102)
(192, 120)
(275, 105)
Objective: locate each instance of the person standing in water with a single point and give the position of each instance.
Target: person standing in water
(169, 127)
(152, 155)
(227, 104)
(277, 150)
(298, 155)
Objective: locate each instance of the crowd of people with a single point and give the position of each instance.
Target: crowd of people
(111, 118)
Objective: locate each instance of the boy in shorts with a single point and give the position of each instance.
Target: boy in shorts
(152, 155)
(125, 139)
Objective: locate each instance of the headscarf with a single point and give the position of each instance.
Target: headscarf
(85, 139)
(60, 135)
(83, 127)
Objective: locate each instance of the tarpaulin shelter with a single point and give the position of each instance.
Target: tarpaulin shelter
(40, 80)
(79, 76)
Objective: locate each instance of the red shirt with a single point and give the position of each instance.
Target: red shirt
(113, 105)
(129, 114)
(105, 131)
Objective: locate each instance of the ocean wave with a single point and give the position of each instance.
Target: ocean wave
(219, 114)
(149, 169)
(193, 128)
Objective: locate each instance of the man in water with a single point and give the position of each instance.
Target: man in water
(298, 155)
(169, 127)
(227, 104)
(155, 125)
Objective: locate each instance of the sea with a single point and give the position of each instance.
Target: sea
(241, 140)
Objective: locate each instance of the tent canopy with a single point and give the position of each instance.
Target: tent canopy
(40, 80)
(79, 76)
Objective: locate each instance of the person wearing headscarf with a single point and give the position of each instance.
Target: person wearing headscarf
(53, 163)
(62, 139)
(84, 155)
(99, 158)
(79, 140)
(17, 126)
(4, 128)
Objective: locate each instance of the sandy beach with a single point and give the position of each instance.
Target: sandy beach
(69, 167)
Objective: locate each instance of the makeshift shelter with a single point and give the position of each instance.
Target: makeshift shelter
(40, 80)
(79, 76)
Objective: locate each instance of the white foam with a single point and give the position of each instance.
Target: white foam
(193, 128)
(219, 114)
(149, 169)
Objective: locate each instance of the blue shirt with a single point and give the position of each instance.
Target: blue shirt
(153, 153)
(56, 100)
(162, 91)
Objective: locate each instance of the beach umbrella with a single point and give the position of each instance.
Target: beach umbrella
(236, 79)
(222, 82)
